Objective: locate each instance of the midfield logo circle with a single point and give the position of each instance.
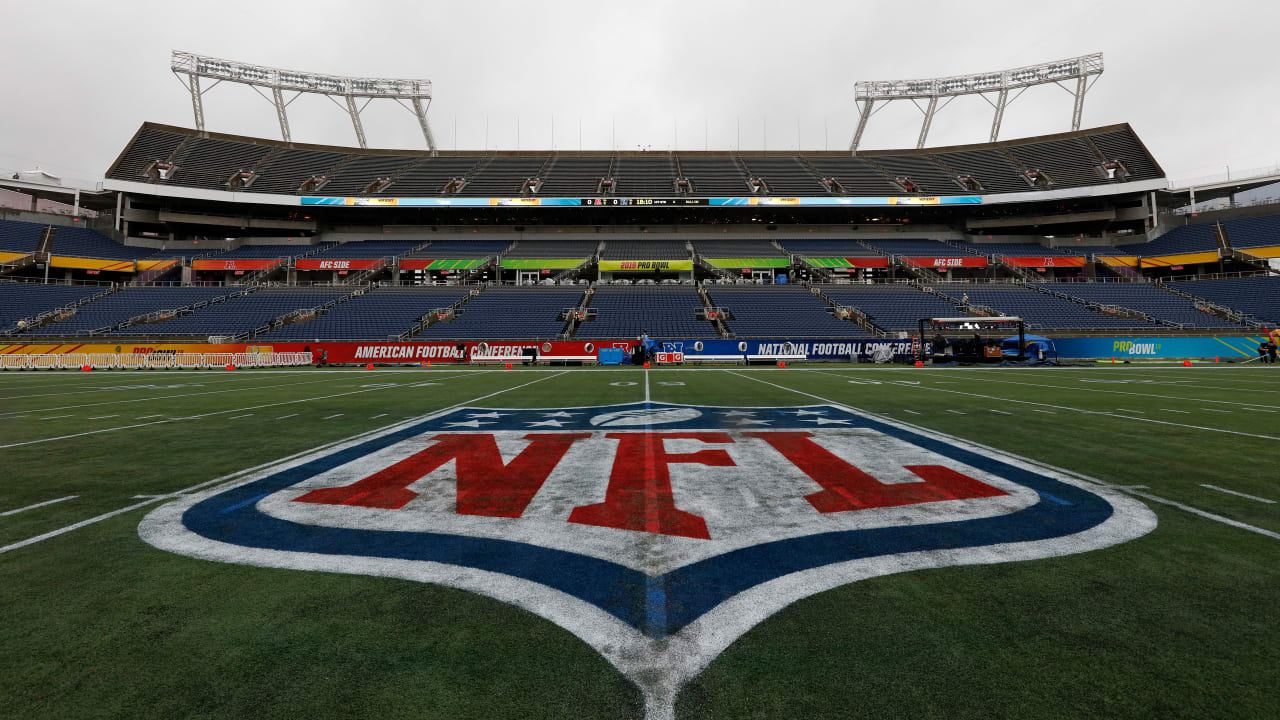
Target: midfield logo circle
(656, 532)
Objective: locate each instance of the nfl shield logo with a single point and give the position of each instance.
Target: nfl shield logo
(658, 533)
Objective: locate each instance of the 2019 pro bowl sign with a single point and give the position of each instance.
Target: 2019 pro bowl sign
(657, 533)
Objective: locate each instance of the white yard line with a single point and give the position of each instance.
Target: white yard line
(955, 412)
(39, 504)
(1238, 494)
(148, 417)
(646, 386)
(1116, 392)
(1046, 412)
(1215, 410)
(194, 417)
(165, 397)
(283, 417)
(375, 417)
(55, 417)
(1130, 489)
(237, 417)
(1086, 412)
(103, 417)
(233, 477)
(330, 417)
(913, 412)
(1180, 412)
(999, 411)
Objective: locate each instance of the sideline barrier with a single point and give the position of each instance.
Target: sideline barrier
(160, 361)
(42, 362)
(130, 361)
(188, 361)
(242, 360)
(13, 362)
(102, 361)
(216, 360)
(72, 361)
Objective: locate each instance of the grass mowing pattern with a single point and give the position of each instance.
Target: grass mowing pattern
(1181, 622)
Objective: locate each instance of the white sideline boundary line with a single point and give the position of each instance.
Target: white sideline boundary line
(193, 417)
(233, 477)
(1123, 392)
(1238, 494)
(163, 397)
(375, 417)
(1129, 489)
(39, 504)
(1086, 412)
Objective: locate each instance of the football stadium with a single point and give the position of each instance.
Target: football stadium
(664, 429)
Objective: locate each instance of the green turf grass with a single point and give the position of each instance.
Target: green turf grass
(1179, 623)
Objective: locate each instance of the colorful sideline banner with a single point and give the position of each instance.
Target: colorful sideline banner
(947, 262)
(363, 264)
(235, 264)
(644, 265)
(1237, 348)
(645, 202)
(1046, 262)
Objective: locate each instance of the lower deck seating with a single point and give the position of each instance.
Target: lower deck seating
(892, 306)
(781, 312)
(380, 314)
(1145, 298)
(1039, 310)
(239, 314)
(664, 311)
(508, 314)
(19, 301)
(1255, 296)
(122, 305)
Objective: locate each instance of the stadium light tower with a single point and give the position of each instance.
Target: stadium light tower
(867, 93)
(280, 81)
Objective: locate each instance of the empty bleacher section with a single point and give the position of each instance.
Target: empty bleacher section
(240, 314)
(785, 176)
(1254, 232)
(553, 249)
(271, 251)
(1039, 310)
(1258, 297)
(918, 248)
(735, 248)
(461, 248)
(377, 315)
(644, 176)
(1029, 250)
(24, 301)
(827, 248)
(86, 243)
(666, 312)
(125, 304)
(1180, 240)
(368, 249)
(714, 176)
(1145, 298)
(18, 236)
(892, 307)
(645, 250)
(574, 176)
(503, 176)
(1069, 160)
(508, 314)
(780, 312)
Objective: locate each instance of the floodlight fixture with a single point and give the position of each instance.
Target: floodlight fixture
(1085, 70)
(351, 90)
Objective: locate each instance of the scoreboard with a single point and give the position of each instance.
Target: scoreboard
(647, 202)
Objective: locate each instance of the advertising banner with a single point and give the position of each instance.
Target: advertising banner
(11, 256)
(1185, 259)
(645, 265)
(1046, 262)
(541, 263)
(947, 262)
(79, 263)
(235, 264)
(1120, 260)
(442, 263)
(1262, 252)
(363, 264)
(734, 263)
(1237, 347)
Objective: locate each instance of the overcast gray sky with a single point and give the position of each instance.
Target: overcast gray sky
(1195, 80)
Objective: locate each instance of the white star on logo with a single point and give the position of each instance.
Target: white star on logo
(733, 413)
(545, 423)
(486, 415)
(751, 421)
(562, 414)
(810, 412)
(827, 421)
(469, 423)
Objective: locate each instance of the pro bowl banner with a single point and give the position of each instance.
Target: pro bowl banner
(645, 265)
(1154, 348)
(235, 264)
(947, 262)
(312, 264)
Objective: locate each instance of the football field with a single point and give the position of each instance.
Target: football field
(491, 543)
